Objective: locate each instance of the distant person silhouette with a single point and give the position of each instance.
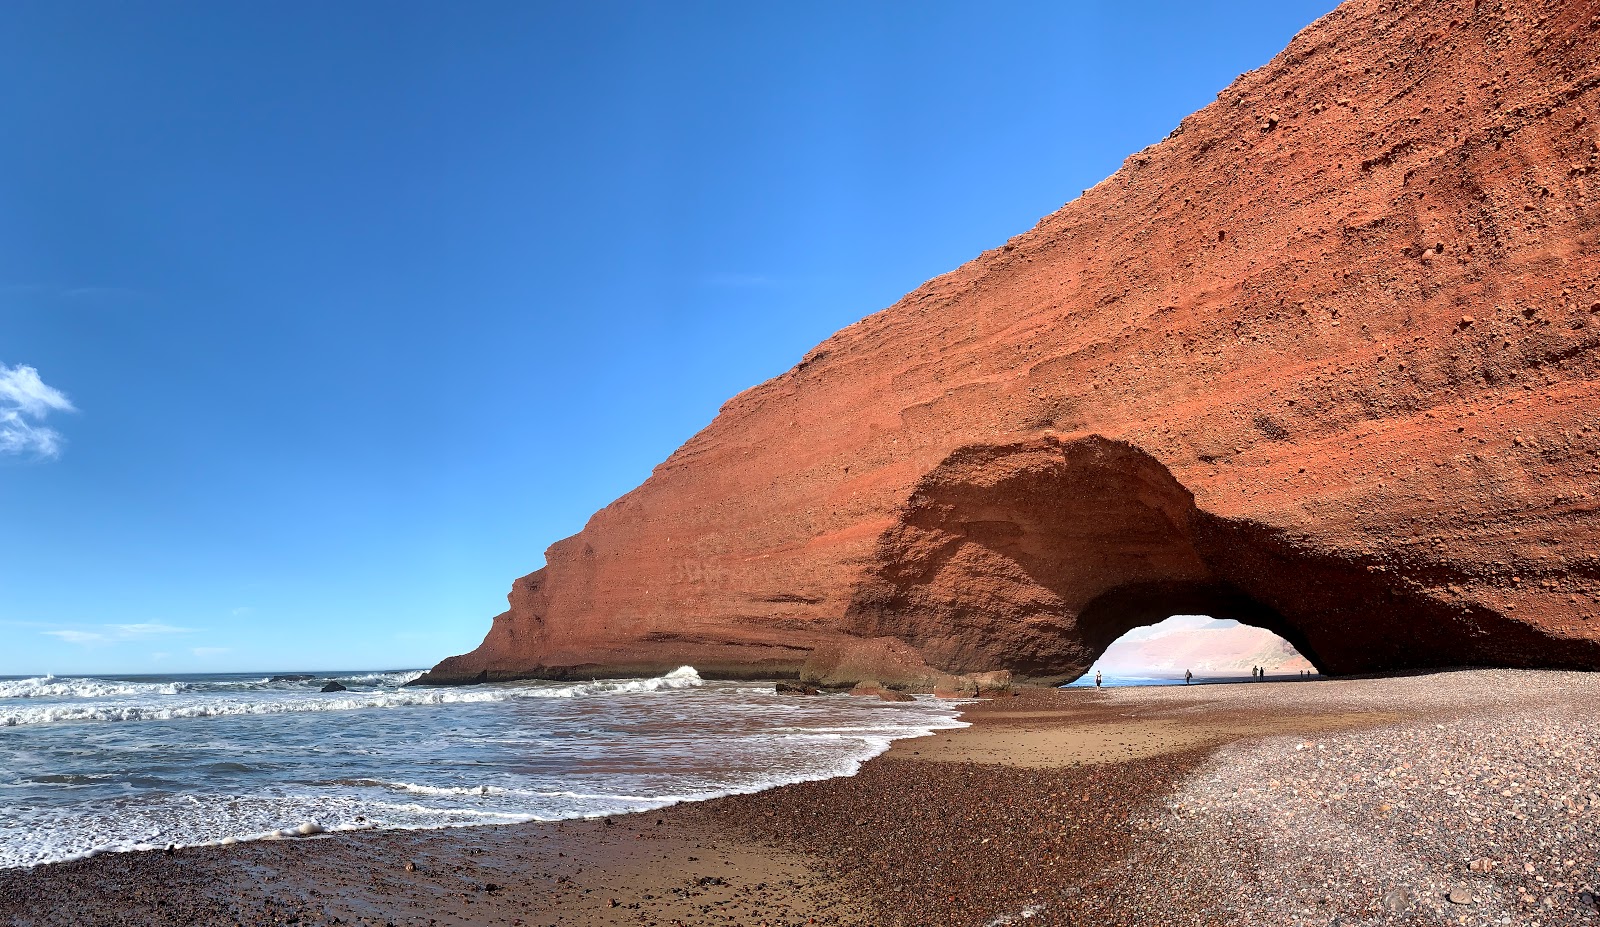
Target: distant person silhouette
(1187, 676)
(1097, 679)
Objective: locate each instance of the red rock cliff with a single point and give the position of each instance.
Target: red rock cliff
(1324, 360)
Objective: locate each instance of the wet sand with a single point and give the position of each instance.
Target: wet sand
(1120, 806)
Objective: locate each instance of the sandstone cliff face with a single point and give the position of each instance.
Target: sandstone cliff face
(1324, 360)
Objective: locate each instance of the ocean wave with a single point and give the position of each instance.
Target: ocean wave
(684, 677)
(380, 679)
(83, 687)
(486, 791)
(209, 706)
(467, 791)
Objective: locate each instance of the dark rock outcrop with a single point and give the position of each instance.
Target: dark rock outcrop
(334, 686)
(1324, 360)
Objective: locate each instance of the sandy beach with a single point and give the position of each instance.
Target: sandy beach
(1448, 798)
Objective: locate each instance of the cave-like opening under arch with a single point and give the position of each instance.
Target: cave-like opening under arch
(1127, 609)
(1197, 649)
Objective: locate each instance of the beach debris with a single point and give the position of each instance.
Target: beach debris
(975, 685)
(1027, 913)
(411, 866)
(1398, 900)
(872, 687)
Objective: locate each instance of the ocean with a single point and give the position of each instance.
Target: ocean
(103, 764)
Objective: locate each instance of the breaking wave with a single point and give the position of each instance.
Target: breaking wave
(380, 679)
(173, 701)
(53, 687)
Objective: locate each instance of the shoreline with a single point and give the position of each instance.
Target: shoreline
(1127, 805)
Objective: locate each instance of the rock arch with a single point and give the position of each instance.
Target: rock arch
(1379, 385)
(1035, 555)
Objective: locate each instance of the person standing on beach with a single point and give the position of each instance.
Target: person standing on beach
(1097, 679)
(1187, 676)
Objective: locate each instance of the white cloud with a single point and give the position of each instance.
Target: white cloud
(21, 387)
(25, 401)
(115, 633)
(20, 436)
(144, 629)
(79, 637)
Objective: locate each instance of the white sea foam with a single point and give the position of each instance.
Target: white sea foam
(479, 791)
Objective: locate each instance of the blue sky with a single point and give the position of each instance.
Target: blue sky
(318, 322)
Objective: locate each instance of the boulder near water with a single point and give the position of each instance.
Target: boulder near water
(1324, 360)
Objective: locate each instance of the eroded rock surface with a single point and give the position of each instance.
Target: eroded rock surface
(1324, 360)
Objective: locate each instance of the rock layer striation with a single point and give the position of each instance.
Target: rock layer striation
(1324, 360)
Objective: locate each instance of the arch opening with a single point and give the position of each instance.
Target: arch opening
(1118, 613)
(1198, 649)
